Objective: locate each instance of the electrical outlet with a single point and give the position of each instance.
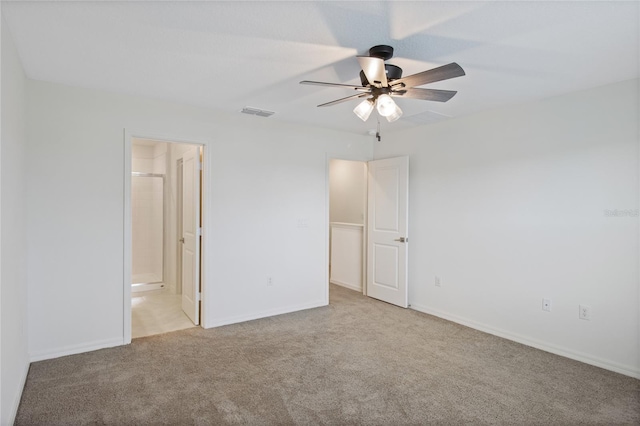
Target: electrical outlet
(438, 281)
(269, 281)
(585, 312)
(546, 305)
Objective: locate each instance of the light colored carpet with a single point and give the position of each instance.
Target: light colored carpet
(357, 361)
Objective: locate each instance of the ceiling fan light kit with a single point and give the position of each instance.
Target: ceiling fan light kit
(395, 114)
(385, 105)
(381, 82)
(364, 109)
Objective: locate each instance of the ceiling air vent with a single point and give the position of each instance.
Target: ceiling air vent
(256, 111)
(426, 117)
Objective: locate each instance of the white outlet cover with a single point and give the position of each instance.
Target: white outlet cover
(584, 312)
(546, 305)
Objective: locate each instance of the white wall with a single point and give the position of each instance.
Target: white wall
(348, 186)
(267, 214)
(511, 206)
(142, 158)
(347, 255)
(13, 249)
(160, 158)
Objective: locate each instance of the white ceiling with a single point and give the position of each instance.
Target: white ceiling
(228, 55)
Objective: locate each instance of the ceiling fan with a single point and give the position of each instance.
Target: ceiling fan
(381, 82)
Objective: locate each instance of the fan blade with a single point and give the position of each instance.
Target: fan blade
(424, 94)
(348, 98)
(374, 70)
(444, 72)
(345, 86)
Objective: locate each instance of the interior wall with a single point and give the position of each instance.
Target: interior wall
(160, 158)
(538, 201)
(142, 158)
(348, 183)
(266, 217)
(14, 358)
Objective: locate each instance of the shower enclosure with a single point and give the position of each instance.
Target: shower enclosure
(147, 223)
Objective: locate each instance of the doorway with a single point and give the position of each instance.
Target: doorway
(368, 225)
(347, 223)
(166, 229)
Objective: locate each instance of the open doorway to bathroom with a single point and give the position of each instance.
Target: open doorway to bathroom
(166, 182)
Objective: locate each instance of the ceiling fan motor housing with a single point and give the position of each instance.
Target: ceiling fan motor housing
(393, 73)
(382, 51)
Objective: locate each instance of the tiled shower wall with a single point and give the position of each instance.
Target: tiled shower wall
(147, 218)
(147, 229)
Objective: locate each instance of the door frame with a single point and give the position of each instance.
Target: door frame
(327, 218)
(205, 189)
(179, 201)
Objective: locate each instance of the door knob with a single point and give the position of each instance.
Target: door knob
(402, 239)
(182, 240)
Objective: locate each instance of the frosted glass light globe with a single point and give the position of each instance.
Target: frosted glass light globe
(363, 110)
(385, 105)
(395, 115)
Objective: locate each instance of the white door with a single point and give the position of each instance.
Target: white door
(388, 203)
(191, 234)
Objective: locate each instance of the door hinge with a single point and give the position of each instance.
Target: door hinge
(199, 231)
(198, 297)
(199, 165)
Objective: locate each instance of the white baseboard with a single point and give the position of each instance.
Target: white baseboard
(346, 285)
(567, 353)
(264, 314)
(16, 402)
(75, 349)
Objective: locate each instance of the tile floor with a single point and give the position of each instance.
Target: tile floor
(156, 312)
